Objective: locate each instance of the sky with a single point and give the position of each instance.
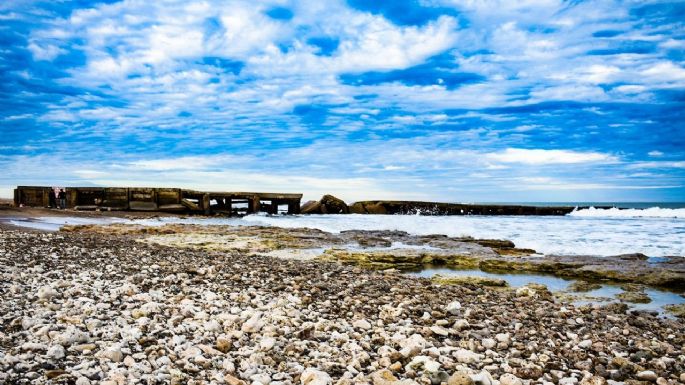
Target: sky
(447, 100)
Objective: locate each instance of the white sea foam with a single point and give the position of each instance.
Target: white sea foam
(652, 212)
(573, 234)
(549, 235)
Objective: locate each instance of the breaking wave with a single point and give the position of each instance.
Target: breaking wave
(652, 212)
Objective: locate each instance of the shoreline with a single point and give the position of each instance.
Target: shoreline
(174, 315)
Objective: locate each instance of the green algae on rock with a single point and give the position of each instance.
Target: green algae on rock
(468, 280)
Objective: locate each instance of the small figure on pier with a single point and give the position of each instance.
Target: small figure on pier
(52, 198)
(62, 198)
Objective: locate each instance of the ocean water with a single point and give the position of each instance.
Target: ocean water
(653, 231)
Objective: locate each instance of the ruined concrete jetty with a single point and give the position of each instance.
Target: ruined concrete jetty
(435, 208)
(162, 199)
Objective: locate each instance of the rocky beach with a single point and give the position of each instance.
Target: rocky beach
(220, 305)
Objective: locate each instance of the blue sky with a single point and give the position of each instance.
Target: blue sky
(451, 100)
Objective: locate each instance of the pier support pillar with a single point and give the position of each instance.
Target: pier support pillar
(205, 204)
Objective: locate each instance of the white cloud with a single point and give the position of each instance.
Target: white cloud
(45, 51)
(657, 164)
(655, 153)
(545, 157)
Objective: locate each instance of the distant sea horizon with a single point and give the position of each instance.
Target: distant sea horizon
(627, 205)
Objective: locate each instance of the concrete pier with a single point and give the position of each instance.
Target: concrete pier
(162, 199)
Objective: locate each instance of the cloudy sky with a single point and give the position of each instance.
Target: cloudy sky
(451, 100)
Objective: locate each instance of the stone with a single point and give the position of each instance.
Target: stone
(585, 344)
(461, 324)
(647, 375)
(412, 346)
(82, 381)
(50, 374)
(583, 286)
(56, 352)
(525, 291)
(383, 377)
(223, 344)
(439, 330)
(468, 280)
(46, 293)
(361, 324)
(453, 308)
(510, 379)
(482, 378)
(460, 378)
(232, 380)
(312, 376)
(466, 356)
(254, 324)
(488, 343)
(593, 380)
(634, 297)
(267, 343)
(112, 353)
(328, 204)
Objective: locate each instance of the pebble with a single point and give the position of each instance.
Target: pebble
(453, 307)
(312, 376)
(647, 375)
(510, 379)
(361, 324)
(154, 317)
(460, 378)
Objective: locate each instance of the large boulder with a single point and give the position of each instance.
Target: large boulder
(368, 207)
(328, 204)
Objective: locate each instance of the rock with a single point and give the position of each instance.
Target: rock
(439, 330)
(594, 380)
(510, 379)
(468, 280)
(504, 338)
(634, 297)
(310, 207)
(583, 286)
(56, 352)
(315, 377)
(383, 377)
(453, 308)
(466, 356)
(46, 293)
(488, 343)
(71, 336)
(525, 291)
(82, 381)
(676, 310)
(461, 324)
(460, 378)
(328, 204)
(50, 374)
(482, 378)
(647, 375)
(231, 380)
(267, 343)
(254, 324)
(361, 324)
(112, 353)
(223, 344)
(682, 377)
(412, 346)
(423, 363)
(585, 344)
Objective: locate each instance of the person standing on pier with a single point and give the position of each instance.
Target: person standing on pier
(52, 201)
(62, 198)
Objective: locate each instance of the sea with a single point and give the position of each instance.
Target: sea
(656, 229)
